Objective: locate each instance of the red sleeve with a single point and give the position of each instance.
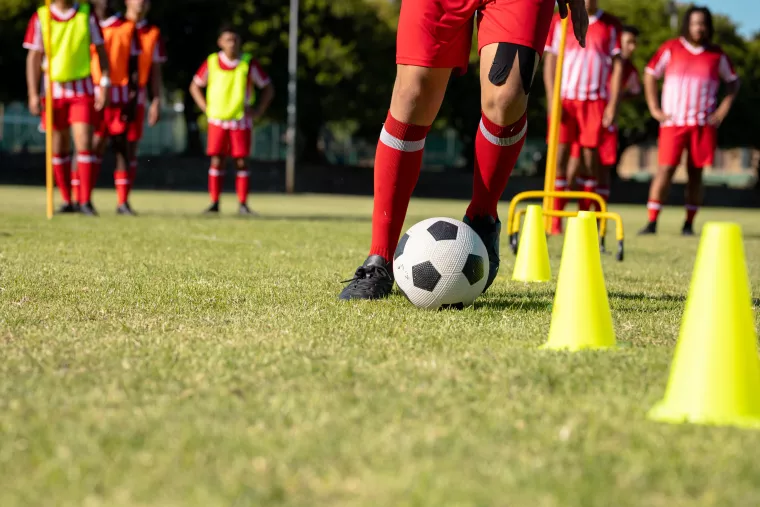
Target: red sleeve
(257, 75)
(201, 76)
(553, 39)
(658, 63)
(159, 54)
(33, 37)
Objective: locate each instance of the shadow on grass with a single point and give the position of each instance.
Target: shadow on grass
(5, 234)
(317, 218)
(639, 296)
(517, 303)
(233, 216)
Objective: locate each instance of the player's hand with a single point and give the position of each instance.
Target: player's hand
(253, 113)
(154, 113)
(578, 15)
(101, 97)
(659, 115)
(34, 105)
(608, 118)
(716, 118)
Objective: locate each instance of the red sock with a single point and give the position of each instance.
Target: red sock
(84, 163)
(62, 172)
(691, 212)
(589, 185)
(121, 182)
(74, 183)
(654, 208)
(560, 185)
(241, 185)
(215, 178)
(131, 176)
(397, 167)
(496, 151)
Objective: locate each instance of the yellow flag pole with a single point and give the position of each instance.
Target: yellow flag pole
(48, 110)
(556, 116)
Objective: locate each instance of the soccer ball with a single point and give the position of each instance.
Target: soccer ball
(441, 263)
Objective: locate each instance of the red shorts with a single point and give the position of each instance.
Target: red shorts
(438, 33)
(112, 121)
(700, 142)
(582, 122)
(607, 147)
(69, 111)
(235, 143)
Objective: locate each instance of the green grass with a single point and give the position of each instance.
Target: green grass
(175, 359)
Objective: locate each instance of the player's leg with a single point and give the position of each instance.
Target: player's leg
(81, 112)
(240, 150)
(61, 159)
(120, 147)
(702, 145)
(511, 39)
(671, 145)
(217, 147)
(607, 160)
(134, 134)
(694, 193)
(427, 50)
(590, 136)
(568, 137)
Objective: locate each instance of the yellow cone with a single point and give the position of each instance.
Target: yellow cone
(715, 374)
(532, 263)
(581, 317)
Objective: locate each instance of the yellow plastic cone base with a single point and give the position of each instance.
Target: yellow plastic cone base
(581, 318)
(715, 374)
(532, 263)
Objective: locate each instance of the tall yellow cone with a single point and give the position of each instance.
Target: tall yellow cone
(581, 318)
(532, 263)
(715, 374)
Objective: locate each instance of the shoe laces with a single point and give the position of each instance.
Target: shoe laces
(368, 272)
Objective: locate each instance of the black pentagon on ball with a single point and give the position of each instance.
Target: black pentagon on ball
(474, 269)
(442, 230)
(400, 247)
(425, 276)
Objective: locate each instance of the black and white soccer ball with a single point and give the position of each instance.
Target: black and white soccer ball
(440, 263)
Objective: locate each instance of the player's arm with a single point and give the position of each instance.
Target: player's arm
(97, 40)
(200, 80)
(156, 85)
(654, 71)
(616, 79)
(550, 63)
(33, 77)
(258, 77)
(267, 94)
(728, 75)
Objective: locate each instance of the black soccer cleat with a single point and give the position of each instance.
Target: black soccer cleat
(688, 229)
(489, 230)
(89, 210)
(214, 208)
(649, 229)
(372, 280)
(67, 208)
(244, 210)
(125, 209)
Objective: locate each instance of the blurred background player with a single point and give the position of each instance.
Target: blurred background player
(74, 28)
(122, 48)
(230, 77)
(590, 92)
(608, 146)
(434, 38)
(150, 81)
(689, 117)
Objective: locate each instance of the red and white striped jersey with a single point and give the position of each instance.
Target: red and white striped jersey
(256, 77)
(692, 79)
(631, 82)
(586, 71)
(33, 41)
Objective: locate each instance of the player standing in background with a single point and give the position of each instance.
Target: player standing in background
(434, 39)
(689, 116)
(608, 146)
(74, 28)
(230, 78)
(122, 48)
(591, 82)
(152, 56)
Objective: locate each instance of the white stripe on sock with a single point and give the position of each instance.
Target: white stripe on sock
(502, 141)
(399, 144)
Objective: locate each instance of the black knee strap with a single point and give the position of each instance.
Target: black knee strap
(504, 60)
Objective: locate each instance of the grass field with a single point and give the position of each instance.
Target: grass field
(175, 359)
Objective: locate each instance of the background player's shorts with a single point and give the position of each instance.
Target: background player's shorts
(137, 125)
(69, 111)
(582, 122)
(111, 121)
(222, 142)
(608, 146)
(700, 142)
(438, 33)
